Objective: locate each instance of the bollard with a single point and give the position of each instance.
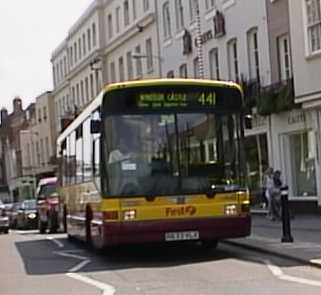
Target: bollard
(286, 226)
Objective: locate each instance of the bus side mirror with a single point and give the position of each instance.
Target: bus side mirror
(95, 126)
(248, 121)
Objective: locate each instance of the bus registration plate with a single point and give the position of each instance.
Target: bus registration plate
(181, 236)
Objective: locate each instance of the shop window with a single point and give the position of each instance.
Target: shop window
(302, 154)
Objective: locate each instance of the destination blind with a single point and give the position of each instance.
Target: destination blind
(174, 99)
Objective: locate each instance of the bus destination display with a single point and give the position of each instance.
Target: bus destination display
(172, 100)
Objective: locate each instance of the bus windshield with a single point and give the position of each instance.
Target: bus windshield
(171, 153)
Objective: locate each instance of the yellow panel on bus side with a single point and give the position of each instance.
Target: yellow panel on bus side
(177, 207)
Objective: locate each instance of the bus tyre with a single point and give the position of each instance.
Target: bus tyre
(209, 244)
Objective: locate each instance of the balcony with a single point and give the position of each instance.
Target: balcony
(273, 99)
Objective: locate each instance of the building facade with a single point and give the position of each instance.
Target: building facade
(305, 19)
(77, 64)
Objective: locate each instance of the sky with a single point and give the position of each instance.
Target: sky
(29, 33)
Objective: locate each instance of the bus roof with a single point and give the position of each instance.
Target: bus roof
(171, 81)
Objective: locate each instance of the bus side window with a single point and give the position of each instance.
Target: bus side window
(96, 153)
(88, 173)
(96, 162)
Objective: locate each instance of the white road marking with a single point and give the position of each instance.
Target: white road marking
(58, 243)
(316, 261)
(107, 289)
(72, 273)
(79, 266)
(276, 271)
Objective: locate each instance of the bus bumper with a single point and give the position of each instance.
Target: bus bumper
(136, 232)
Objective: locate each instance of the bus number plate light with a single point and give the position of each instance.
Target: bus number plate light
(129, 214)
(230, 210)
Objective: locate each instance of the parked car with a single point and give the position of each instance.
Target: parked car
(27, 215)
(48, 204)
(4, 220)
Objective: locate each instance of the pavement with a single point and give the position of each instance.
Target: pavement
(266, 238)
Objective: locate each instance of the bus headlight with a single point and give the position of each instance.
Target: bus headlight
(230, 210)
(32, 215)
(129, 214)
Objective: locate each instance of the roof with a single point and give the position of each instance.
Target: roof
(172, 81)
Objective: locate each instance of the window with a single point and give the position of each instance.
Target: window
(65, 65)
(70, 56)
(121, 69)
(233, 60)
(210, 4)
(73, 95)
(79, 154)
(39, 115)
(183, 71)
(94, 35)
(75, 52)
(117, 19)
(84, 43)
(78, 95)
(45, 113)
(82, 93)
(145, 5)
(149, 54)
(284, 57)
(112, 72)
(302, 160)
(196, 65)
(193, 9)
(126, 13)
(134, 9)
(47, 149)
(214, 64)
(313, 11)
(129, 65)
(79, 48)
(166, 21)
(42, 152)
(179, 10)
(110, 26)
(89, 39)
(139, 67)
(87, 89)
(92, 90)
(253, 54)
(97, 82)
(87, 157)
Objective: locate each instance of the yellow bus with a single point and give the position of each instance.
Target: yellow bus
(156, 161)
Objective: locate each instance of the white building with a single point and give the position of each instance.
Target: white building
(38, 141)
(305, 26)
(131, 50)
(77, 64)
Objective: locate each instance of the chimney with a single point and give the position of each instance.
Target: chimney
(3, 115)
(17, 105)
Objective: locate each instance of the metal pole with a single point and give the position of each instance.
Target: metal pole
(286, 226)
(199, 44)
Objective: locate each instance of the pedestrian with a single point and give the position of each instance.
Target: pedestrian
(268, 187)
(276, 196)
